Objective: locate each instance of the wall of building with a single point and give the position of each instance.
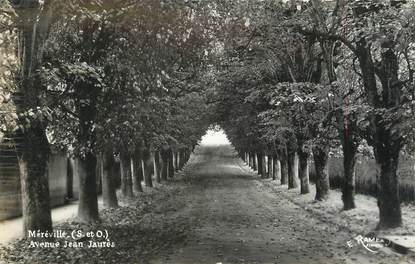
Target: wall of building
(10, 193)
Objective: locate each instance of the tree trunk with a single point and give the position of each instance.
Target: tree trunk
(292, 183)
(388, 143)
(174, 160)
(180, 159)
(177, 161)
(99, 170)
(349, 161)
(276, 173)
(264, 166)
(126, 176)
(251, 161)
(183, 158)
(177, 157)
(88, 199)
(167, 169)
(270, 166)
(322, 173)
(303, 172)
(284, 171)
(164, 159)
(187, 156)
(69, 179)
(256, 165)
(171, 163)
(156, 168)
(385, 141)
(260, 163)
(284, 166)
(263, 169)
(137, 171)
(388, 195)
(147, 164)
(296, 168)
(387, 159)
(109, 195)
(33, 155)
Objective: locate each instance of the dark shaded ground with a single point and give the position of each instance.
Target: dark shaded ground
(216, 211)
(142, 228)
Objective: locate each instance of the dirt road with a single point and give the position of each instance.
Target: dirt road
(234, 220)
(215, 211)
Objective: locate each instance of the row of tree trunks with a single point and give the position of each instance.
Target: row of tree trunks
(268, 165)
(33, 147)
(162, 165)
(289, 170)
(383, 90)
(143, 165)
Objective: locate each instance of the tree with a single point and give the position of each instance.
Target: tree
(369, 30)
(33, 21)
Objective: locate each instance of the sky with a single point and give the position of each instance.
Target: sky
(214, 138)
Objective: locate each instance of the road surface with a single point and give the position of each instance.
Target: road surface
(215, 211)
(234, 220)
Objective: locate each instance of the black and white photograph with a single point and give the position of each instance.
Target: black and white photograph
(207, 132)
